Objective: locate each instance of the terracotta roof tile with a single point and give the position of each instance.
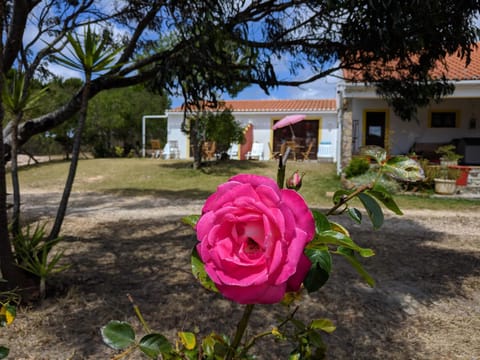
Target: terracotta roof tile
(454, 68)
(277, 105)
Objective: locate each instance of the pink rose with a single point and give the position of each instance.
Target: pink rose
(251, 239)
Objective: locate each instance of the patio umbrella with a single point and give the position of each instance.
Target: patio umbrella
(289, 121)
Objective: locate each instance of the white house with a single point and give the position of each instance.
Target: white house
(359, 117)
(257, 117)
(366, 119)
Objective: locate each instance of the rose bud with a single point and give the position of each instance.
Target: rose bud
(294, 182)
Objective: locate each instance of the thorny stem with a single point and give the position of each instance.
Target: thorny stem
(241, 327)
(282, 165)
(139, 314)
(266, 333)
(346, 199)
(124, 353)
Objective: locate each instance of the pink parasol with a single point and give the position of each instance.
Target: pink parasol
(289, 121)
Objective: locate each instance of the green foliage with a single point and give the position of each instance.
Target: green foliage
(32, 251)
(214, 126)
(447, 153)
(89, 54)
(223, 129)
(7, 316)
(15, 97)
(115, 119)
(198, 271)
(307, 340)
(358, 166)
(118, 151)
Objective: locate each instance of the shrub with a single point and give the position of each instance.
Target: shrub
(358, 166)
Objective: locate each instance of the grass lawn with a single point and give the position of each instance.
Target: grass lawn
(177, 179)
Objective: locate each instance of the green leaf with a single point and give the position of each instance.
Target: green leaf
(403, 168)
(315, 339)
(191, 220)
(198, 271)
(325, 325)
(355, 215)
(336, 238)
(382, 194)
(339, 194)
(321, 221)
(153, 345)
(374, 210)
(7, 314)
(298, 324)
(188, 340)
(295, 356)
(208, 346)
(356, 265)
(319, 272)
(375, 152)
(118, 334)
(3, 352)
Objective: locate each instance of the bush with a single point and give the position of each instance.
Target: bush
(358, 166)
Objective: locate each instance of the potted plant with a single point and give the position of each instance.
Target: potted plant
(446, 180)
(448, 156)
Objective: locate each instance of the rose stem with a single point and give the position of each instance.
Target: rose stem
(241, 327)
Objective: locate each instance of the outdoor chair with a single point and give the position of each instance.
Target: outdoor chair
(209, 149)
(233, 151)
(156, 148)
(174, 149)
(293, 148)
(306, 154)
(256, 152)
(171, 150)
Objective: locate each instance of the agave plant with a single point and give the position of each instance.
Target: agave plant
(90, 54)
(17, 100)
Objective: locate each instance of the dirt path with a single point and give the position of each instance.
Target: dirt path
(426, 304)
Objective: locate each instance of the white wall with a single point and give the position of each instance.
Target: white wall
(262, 125)
(403, 134)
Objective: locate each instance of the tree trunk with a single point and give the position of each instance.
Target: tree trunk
(15, 182)
(197, 155)
(62, 208)
(16, 278)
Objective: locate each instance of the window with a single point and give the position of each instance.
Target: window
(444, 119)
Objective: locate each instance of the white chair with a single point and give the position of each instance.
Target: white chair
(233, 151)
(171, 150)
(166, 151)
(256, 152)
(174, 149)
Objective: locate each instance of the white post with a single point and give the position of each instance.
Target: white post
(144, 121)
(340, 97)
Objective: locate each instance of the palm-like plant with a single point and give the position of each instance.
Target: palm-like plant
(17, 100)
(90, 55)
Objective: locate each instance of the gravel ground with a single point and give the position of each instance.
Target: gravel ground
(426, 304)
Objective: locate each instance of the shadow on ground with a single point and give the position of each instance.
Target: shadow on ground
(415, 268)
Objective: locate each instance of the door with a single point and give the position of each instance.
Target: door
(375, 128)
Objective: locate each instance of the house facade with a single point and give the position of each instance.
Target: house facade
(257, 117)
(366, 119)
(358, 117)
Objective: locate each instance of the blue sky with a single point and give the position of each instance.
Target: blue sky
(321, 89)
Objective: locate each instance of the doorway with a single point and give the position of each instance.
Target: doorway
(303, 134)
(376, 128)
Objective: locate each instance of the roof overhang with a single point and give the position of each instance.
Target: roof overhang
(463, 89)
